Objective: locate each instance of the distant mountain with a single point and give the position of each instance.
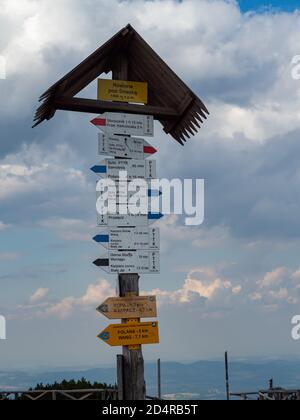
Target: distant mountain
(196, 381)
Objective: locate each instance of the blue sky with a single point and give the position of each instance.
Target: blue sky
(288, 5)
(232, 283)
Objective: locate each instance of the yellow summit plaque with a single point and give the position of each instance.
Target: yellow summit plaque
(122, 91)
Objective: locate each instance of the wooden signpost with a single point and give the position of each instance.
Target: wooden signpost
(133, 247)
(143, 88)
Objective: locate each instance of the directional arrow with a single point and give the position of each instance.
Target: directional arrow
(124, 147)
(129, 307)
(126, 124)
(99, 169)
(154, 193)
(130, 334)
(101, 239)
(155, 216)
(129, 239)
(120, 262)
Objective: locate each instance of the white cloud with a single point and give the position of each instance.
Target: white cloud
(31, 171)
(277, 288)
(61, 309)
(247, 83)
(281, 294)
(93, 297)
(202, 282)
(202, 237)
(69, 229)
(256, 296)
(96, 293)
(296, 275)
(39, 295)
(273, 278)
(38, 184)
(204, 289)
(3, 226)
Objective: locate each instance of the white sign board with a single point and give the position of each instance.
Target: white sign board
(142, 262)
(124, 147)
(125, 124)
(130, 239)
(136, 169)
(122, 194)
(120, 220)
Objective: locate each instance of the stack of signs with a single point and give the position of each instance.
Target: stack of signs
(132, 244)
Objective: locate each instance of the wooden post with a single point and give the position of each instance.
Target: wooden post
(133, 362)
(227, 377)
(120, 375)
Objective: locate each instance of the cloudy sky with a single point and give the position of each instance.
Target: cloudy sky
(231, 284)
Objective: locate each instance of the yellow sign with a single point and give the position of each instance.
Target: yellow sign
(130, 334)
(122, 91)
(129, 307)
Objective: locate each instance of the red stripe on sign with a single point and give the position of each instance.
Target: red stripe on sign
(99, 122)
(149, 150)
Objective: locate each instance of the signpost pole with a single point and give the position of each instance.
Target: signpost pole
(120, 377)
(133, 361)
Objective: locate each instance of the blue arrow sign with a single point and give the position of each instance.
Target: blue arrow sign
(101, 239)
(154, 193)
(99, 169)
(155, 216)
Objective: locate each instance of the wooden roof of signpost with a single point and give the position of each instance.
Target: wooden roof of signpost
(171, 101)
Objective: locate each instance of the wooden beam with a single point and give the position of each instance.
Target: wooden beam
(92, 106)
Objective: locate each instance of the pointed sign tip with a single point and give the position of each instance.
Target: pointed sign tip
(98, 122)
(99, 169)
(101, 238)
(150, 150)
